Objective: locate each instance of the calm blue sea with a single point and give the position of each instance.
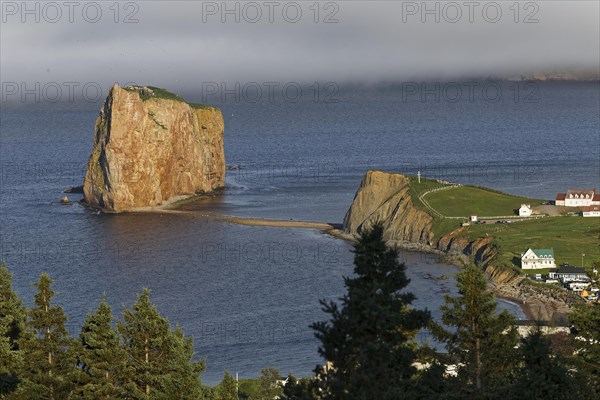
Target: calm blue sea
(248, 294)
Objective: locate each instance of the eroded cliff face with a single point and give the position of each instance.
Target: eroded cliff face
(151, 150)
(385, 198)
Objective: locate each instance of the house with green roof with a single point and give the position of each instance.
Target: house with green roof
(538, 259)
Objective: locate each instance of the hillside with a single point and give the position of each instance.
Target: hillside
(430, 214)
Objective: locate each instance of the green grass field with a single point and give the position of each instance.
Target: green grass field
(160, 93)
(464, 201)
(416, 187)
(440, 226)
(568, 236)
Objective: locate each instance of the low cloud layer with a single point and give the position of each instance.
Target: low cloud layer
(181, 45)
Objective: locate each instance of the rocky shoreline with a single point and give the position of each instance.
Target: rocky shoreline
(396, 209)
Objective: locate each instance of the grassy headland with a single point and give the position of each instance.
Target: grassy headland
(569, 236)
(464, 201)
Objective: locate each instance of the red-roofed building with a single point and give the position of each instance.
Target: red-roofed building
(578, 198)
(591, 211)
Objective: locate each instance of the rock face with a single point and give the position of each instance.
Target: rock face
(385, 198)
(151, 147)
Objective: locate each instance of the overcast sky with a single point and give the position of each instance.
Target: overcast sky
(180, 45)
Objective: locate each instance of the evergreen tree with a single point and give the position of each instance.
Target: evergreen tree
(12, 326)
(101, 358)
(481, 342)
(585, 318)
(183, 380)
(542, 375)
(369, 339)
(159, 359)
(269, 385)
(227, 389)
(433, 384)
(298, 389)
(49, 362)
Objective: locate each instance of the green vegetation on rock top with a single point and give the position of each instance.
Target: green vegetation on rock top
(464, 201)
(197, 106)
(160, 93)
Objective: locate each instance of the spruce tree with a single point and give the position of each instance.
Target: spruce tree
(480, 341)
(298, 389)
(227, 389)
(543, 375)
(12, 326)
(49, 361)
(101, 358)
(370, 338)
(159, 360)
(183, 378)
(585, 318)
(269, 385)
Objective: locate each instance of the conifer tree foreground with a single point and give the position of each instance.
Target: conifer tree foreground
(159, 359)
(12, 327)
(480, 341)
(543, 375)
(49, 360)
(585, 318)
(227, 389)
(101, 358)
(369, 339)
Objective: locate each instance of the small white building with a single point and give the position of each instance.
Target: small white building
(567, 273)
(525, 210)
(473, 218)
(577, 286)
(538, 259)
(591, 211)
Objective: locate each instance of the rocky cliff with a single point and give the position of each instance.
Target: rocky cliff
(150, 148)
(385, 198)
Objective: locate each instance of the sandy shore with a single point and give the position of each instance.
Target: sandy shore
(529, 313)
(277, 223)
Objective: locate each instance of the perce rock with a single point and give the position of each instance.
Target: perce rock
(151, 148)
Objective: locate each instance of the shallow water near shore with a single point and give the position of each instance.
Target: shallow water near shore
(247, 294)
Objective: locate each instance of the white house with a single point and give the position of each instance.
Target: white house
(567, 273)
(525, 210)
(538, 258)
(473, 218)
(591, 211)
(578, 198)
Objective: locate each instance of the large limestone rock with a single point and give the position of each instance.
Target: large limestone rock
(151, 147)
(385, 198)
